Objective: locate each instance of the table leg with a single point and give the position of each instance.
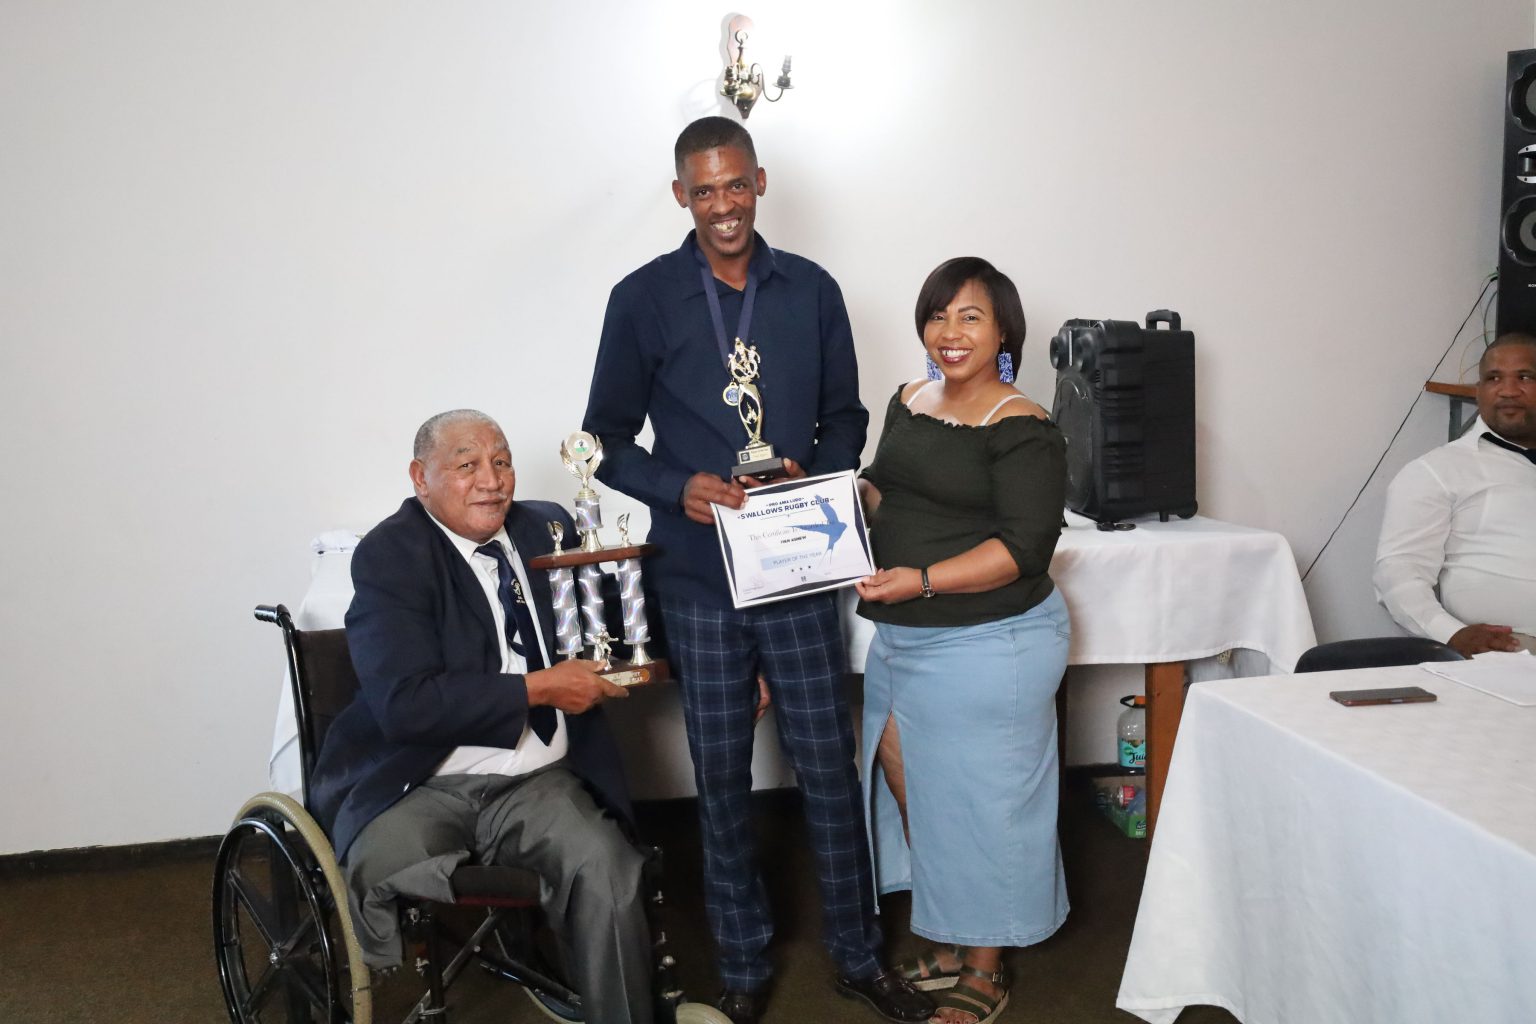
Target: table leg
(1165, 705)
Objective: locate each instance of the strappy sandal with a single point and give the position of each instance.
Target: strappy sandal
(925, 974)
(964, 998)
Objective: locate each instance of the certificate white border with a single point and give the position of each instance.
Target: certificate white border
(729, 522)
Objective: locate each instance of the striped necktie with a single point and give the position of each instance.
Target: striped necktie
(519, 619)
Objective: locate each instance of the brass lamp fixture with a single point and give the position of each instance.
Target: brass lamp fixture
(743, 83)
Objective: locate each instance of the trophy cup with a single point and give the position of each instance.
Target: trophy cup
(576, 582)
(582, 454)
(757, 458)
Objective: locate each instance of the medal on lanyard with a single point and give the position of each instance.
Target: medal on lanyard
(742, 362)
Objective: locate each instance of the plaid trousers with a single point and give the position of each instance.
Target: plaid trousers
(797, 645)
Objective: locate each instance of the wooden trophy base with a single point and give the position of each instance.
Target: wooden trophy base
(571, 559)
(630, 676)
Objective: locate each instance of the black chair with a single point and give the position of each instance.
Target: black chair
(283, 937)
(1376, 652)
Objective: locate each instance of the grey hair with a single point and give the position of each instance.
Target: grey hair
(428, 433)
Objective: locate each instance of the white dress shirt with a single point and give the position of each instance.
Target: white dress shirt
(1461, 518)
(530, 752)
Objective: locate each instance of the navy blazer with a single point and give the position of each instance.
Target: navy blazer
(425, 649)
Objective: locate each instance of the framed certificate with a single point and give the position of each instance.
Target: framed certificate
(793, 538)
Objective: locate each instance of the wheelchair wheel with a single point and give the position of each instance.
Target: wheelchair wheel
(553, 1008)
(700, 1013)
(282, 940)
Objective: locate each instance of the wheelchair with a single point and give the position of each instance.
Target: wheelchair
(283, 937)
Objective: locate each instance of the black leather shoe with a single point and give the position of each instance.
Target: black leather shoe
(891, 996)
(742, 1007)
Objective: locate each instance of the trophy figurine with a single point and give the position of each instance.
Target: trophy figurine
(582, 454)
(757, 458)
(576, 582)
(602, 647)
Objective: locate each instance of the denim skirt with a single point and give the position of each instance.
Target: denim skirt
(976, 710)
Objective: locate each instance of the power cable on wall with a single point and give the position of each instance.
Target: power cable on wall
(1487, 284)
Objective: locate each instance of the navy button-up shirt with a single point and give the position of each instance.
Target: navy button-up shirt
(659, 358)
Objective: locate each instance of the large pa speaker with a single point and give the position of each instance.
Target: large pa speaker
(1125, 400)
(1517, 229)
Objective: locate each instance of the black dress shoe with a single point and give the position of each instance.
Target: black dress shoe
(742, 1007)
(891, 995)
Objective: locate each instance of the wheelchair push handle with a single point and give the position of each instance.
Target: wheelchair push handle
(276, 614)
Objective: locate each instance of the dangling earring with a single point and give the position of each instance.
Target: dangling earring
(1004, 368)
(933, 369)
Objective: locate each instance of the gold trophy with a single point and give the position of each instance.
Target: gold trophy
(757, 459)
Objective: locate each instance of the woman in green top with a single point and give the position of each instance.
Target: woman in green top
(965, 497)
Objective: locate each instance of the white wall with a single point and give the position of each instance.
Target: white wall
(246, 248)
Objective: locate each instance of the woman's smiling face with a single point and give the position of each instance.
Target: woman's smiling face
(963, 339)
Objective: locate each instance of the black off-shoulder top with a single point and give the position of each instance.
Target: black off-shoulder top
(945, 487)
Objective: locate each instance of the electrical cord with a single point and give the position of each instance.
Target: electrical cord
(1488, 283)
(1486, 337)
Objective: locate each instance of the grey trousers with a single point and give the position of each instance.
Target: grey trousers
(590, 875)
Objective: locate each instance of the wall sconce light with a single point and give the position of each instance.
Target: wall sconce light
(743, 84)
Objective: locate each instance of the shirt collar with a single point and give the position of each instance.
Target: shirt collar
(1498, 440)
(1474, 435)
(764, 263)
(465, 546)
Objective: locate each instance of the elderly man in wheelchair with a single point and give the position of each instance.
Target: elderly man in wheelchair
(467, 768)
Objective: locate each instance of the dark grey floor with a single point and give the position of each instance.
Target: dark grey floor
(133, 944)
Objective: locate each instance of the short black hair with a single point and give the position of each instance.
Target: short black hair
(950, 276)
(711, 133)
(1512, 338)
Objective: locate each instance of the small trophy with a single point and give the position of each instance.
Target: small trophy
(582, 454)
(576, 582)
(757, 458)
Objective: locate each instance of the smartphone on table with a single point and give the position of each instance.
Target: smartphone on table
(1386, 695)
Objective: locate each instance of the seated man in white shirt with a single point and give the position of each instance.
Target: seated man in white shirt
(1457, 557)
(461, 742)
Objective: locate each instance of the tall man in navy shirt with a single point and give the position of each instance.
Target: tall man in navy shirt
(663, 355)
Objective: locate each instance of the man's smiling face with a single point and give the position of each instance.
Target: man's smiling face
(466, 482)
(720, 188)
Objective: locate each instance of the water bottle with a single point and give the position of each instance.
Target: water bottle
(1132, 729)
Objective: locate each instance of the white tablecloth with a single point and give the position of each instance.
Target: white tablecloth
(1317, 864)
(1174, 591)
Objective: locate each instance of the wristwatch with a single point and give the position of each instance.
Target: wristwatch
(927, 587)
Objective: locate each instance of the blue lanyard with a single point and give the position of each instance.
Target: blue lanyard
(743, 323)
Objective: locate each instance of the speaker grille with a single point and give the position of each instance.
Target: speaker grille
(1073, 413)
(1520, 231)
(1522, 98)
